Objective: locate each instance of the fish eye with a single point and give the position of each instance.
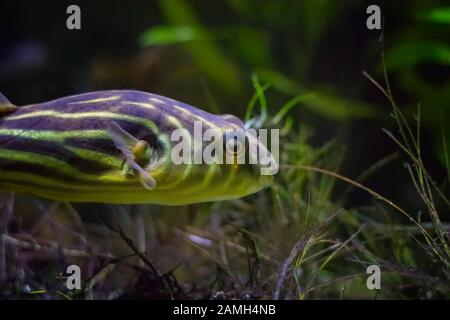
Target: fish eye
(234, 146)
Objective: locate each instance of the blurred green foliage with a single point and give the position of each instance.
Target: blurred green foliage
(437, 15)
(410, 53)
(168, 35)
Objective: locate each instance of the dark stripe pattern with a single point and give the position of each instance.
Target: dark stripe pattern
(54, 150)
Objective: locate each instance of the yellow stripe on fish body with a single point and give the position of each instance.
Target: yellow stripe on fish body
(113, 147)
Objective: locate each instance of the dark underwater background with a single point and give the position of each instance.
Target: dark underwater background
(279, 242)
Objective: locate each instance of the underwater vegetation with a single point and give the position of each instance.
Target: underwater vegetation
(364, 165)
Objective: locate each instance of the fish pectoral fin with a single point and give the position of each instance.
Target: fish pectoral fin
(131, 148)
(147, 180)
(144, 177)
(123, 141)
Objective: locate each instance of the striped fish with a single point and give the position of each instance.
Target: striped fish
(114, 147)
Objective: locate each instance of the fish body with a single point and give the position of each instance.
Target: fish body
(114, 147)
